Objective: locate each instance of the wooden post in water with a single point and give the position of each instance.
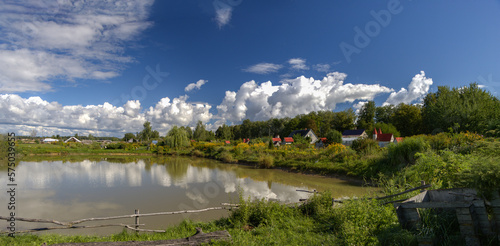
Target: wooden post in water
(136, 219)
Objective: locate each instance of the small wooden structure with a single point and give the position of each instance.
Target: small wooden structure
(470, 210)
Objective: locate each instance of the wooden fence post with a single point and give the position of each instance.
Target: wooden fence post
(136, 219)
(422, 183)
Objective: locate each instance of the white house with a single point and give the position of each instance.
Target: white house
(50, 140)
(348, 136)
(72, 139)
(305, 133)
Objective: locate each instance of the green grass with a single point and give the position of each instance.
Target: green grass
(361, 222)
(74, 148)
(443, 160)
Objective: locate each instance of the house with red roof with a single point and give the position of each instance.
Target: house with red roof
(398, 140)
(288, 140)
(276, 141)
(383, 139)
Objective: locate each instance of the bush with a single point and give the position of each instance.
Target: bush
(363, 222)
(266, 161)
(363, 145)
(225, 156)
(333, 136)
(404, 153)
(197, 153)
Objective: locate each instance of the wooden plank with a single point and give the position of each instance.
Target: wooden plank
(436, 205)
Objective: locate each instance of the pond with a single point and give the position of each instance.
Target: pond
(72, 188)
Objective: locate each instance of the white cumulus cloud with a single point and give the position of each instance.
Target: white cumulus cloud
(167, 113)
(196, 85)
(294, 96)
(417, 89)
(22, 115)
(44, 40)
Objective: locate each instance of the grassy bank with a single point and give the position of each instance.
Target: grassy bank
(265, 223)
(442, 160)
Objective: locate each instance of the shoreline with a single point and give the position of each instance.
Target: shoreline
(350, 179)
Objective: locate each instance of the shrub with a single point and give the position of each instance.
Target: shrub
(266, 161)
(333, 136)
(404, 153)
(363, 145)
(197, 153)
(335, 148)
(238, 150)
(363, 222)
(225, 156)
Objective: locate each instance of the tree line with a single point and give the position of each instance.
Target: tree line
(468, 108)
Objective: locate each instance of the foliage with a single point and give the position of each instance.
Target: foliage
(384, 114)
(128, 136)
(147, 132)
(225, 156)
(361, 145)
(408, 119)
(224, 132)
(468, 108)
(335, 148)
(404, 153)
(366, 116)
(385, 127)
(177, 138)
(266, 161)
(201, 134)
(333, 136)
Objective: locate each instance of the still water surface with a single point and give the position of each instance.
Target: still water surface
(67, 190)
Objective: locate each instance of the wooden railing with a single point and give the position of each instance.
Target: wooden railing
(75, 224)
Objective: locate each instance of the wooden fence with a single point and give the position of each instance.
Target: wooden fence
(75, 224)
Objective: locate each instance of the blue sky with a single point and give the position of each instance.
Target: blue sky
(105, 68)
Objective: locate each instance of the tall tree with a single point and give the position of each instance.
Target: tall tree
(386, 128)
(146, 132)
(128, 136)
(223, 132)
(188, 131)
(366, 116)
(200, 134)
(176, 138)
(408, 119)
(344, 120)
(467, 108)
(155, 134)
(384, 114)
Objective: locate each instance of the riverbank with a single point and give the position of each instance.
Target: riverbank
(443, 160)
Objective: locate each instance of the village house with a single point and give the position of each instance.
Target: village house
(321, 143)
(398, 140)
(72, 139)
(288, 140)
(348, 136)
(305, 133)
(50, 140)
(383, 139)
(276, 141)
